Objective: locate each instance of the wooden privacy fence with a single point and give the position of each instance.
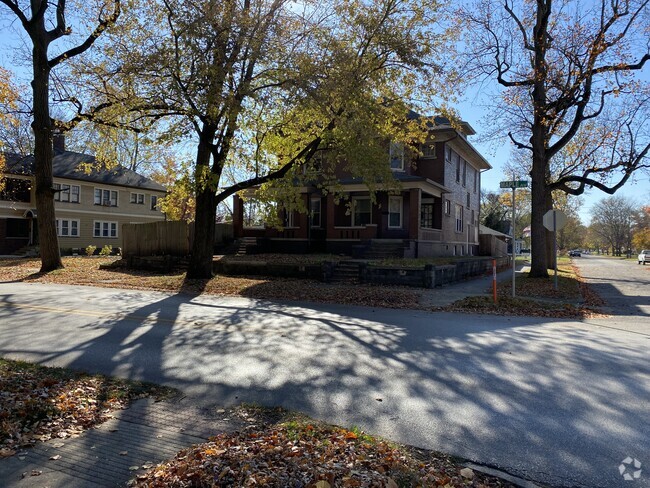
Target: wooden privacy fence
(155, 239)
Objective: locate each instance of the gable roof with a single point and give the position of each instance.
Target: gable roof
(69, 164)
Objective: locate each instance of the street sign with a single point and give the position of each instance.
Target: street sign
(514, 184)
(557, 223)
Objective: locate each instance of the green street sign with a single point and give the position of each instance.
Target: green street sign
(514, 184)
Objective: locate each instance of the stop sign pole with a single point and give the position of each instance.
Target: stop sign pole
(513, 184)
(554, 220)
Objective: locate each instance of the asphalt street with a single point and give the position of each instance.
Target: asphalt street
(556, 401)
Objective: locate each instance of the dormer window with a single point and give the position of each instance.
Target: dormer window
(429, 150)
(397, 156)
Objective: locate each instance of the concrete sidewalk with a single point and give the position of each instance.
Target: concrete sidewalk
(481, 286)
(118, 450)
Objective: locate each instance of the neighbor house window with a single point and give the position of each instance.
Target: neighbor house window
(154, 202)
(447, 207)
(396, 156)
(395, 212)
(16, 190)
(456, 160)
(105, 229)
(66, 193)
(315, 212)
(475, 180)
(464, 173)
(468, 200)
(137, 198)
(253, 214)
(459, 218)
(67, 228)
(429, 150)
(426, 216)
(288, 218)
(108, 198)
(361, 211)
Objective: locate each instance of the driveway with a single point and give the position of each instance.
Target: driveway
(560, 402)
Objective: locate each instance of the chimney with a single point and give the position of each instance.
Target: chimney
(58, 142)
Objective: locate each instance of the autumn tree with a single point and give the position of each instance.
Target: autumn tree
(266, 85)
(570, 94)
(641, 228)
(46, 26)
(612, 221)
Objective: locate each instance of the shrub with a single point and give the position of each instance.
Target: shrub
(90, 250)
(106, 250)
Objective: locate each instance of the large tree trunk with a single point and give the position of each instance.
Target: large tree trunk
(550, 237)
(200, 266)
(43, 155)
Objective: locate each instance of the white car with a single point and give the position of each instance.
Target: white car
(643, 255)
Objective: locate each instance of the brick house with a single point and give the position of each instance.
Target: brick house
(90, 207)
(435, 214)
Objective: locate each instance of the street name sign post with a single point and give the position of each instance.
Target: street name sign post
(514, 184)
(554, 220)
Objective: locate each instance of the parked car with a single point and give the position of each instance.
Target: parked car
(643, 255)
(575, 253)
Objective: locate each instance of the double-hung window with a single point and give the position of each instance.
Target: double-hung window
(105, 229)
(459, 218)
(66, 193)
(67, 227)
(137, 198)
(429, 150)
(361, 211)
(108, 198)
(395, 212)
(315, 212)
(397, 156)
(426, 215)
(154, 202)
(455, 159)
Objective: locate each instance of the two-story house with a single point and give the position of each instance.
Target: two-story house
(435, 214)
(90, 204)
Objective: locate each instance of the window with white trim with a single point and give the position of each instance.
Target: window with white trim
(154, 202)
(315, 212)
(361, 211)
(447, 207)
(67, 227)
(397, 156)
(102, 228)
(137, 198)
(288, 218)
(66, 193)
(459, 218)
(107, 198)
(448, 152)
(394, 212)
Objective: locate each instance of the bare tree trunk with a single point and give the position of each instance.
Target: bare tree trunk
(43, 155)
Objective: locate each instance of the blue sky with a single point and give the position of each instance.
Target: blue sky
(472, 109)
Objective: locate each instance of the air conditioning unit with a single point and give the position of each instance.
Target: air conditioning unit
(106, 203)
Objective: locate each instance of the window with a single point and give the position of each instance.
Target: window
(108, 198)
(395, 212)
(361, 211)
(426, 216)
(288, 218)
(448, 152)
(447, 207)
(396, 156)
(468, 200)
(475, 180)
(429, 150)
(473, 222)
(459, 218)
(315, 211)
(16, 190)
(464, 173)
(154, 202)
(67, 228)
(17, 229)
(253, 214)
(105, 229)
(66, 193)
(456, 160)
(137, 198)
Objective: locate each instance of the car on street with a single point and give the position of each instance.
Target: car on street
(643, 256)
(575, 253)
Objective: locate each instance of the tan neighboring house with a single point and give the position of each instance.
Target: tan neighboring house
(90, 207)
